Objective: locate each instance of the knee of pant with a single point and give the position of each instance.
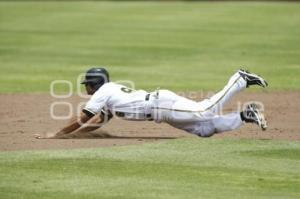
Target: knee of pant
(206, 131)
(206, 134)
(203, 129)
(203, 135)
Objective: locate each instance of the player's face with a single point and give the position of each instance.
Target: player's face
(89, 89)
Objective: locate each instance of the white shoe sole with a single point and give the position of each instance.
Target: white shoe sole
(262, 123)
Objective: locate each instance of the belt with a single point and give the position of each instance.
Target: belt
(123, 114)
(148, 116)
(147, 97)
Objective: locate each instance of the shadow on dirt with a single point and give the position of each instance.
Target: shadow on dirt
(105, 135)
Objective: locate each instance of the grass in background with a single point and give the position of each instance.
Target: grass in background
(180, 46)
(184, 168)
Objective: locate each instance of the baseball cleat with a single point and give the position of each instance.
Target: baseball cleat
(252, 114)
(252, 79)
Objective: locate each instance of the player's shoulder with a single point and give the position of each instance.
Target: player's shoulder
(106, 89)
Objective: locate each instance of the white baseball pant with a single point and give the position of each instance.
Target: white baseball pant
(200, 118)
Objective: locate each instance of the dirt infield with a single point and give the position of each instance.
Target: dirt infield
(23, 115)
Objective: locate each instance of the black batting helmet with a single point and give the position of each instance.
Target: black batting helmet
(96, 77)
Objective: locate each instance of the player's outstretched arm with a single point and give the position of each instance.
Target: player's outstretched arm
(94, 123)
(72, 126)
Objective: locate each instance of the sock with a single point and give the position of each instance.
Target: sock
(242, 116)
(246, 119)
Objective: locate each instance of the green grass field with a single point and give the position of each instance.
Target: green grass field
(179, 46)
(185, 168)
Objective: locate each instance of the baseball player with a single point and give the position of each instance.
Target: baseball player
(201, 118)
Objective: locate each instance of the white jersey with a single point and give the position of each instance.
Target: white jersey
(121, 101)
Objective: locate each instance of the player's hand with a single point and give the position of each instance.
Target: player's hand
(38, 136)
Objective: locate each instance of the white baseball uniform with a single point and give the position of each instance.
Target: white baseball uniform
(199, 118)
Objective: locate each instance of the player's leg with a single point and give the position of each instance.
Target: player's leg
(172, 108)
(200, 118)
(170, 103)
(211, 125)
(223, 123)
(239, 81)
(220, 124)
(229, 122)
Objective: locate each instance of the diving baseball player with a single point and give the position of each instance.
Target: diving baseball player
(201, 118)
